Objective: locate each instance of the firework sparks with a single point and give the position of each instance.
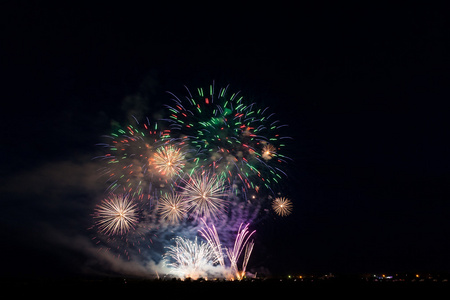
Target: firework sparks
(218, 149)
(169, 160)
(129, 151)
(242, 238)
(211, 236)
(189, 259)
(248, 252)
(240, 141)
(268, 152)
(117, 215)
(195, 259)
(282, 206)
(206, 195)
(172, 207)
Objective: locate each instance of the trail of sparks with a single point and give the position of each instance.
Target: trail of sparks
(242, 238)
(211, 236)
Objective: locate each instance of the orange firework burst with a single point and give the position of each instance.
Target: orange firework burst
(282, 206)
(169, 160)
(268, 151)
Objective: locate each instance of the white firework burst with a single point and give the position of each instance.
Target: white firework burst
(206, 195)
(172, 207)
(169, 160)
(116, 215)
(189, 259)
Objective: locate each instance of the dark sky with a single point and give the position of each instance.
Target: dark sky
(363, 89)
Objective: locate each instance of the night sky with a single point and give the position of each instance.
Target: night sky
(364, 91)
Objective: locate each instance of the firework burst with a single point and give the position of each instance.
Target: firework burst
(168, 160)
(129, 153)
(116, 215)
(268, 152)
(218, 163)
(206, 195)
(173, 207)
(282, 206)
(189, 259)
(240, 141)
(197, 259)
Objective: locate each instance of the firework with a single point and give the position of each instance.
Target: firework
(206, 195)
(172, 207)
(116, 215)
(211, 236)
(129, 153)
(217, 163)
(248, 252)
(282, 206)
(194, 259)
(169, 160)
(268, 151)
(240, 141)
(241, 242)
(189, 259)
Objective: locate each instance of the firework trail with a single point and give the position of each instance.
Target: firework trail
(242, 238)
(248, 252)
(211, 236)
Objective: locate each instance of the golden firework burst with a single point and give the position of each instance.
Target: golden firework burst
(169, 160)
(282, 206)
